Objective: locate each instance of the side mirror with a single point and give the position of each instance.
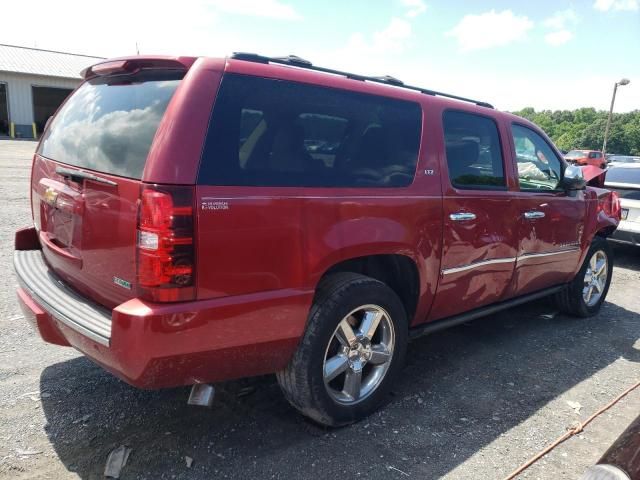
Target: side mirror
(573, 179)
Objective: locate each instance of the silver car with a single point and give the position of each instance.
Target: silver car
(625, 180)
(622, 160)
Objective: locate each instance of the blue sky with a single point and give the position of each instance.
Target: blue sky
(545, 54)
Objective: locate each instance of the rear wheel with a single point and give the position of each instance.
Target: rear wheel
(351, 352)
(586, 293)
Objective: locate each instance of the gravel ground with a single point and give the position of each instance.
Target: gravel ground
(474, 401)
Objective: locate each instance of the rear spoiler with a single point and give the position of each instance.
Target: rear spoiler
(133, 64)
(594, 176)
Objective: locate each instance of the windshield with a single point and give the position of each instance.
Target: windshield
(575, 154)
(109, 123)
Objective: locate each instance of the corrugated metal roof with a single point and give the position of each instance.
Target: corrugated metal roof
(43, 62)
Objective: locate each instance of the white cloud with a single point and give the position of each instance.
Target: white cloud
(558, 38)
(414, 7)
(490, 29)
(257, 8)
(392, 39)
(560, 25)
(394, 36)
(624, 5)
(160, 27)
(560, 20)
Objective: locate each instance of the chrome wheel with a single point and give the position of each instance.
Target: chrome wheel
(359, 354)
(595, 278)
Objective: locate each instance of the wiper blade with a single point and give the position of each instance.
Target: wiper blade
(79, 175)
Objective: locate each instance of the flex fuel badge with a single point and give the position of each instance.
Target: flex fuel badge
(122, 283)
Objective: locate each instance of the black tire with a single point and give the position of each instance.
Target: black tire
(302, 381)
(571, 300)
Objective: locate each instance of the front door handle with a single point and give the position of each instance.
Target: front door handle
(533, 215)
(462, 216)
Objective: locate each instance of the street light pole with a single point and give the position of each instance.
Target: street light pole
(624, 81)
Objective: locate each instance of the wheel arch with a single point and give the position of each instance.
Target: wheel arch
(398, 271)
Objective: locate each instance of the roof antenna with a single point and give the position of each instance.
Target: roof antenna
(137, 49)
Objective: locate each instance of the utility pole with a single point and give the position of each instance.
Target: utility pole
(624, 81)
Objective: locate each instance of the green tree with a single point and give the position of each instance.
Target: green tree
(584, 128)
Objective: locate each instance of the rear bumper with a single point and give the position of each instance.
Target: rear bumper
(627, 232)
(164, 345)
(68, 307)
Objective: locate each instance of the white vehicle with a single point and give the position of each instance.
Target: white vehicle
(618, 160)
(625, 180)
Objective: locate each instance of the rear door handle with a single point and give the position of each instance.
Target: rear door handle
(462, 216)
(533, 215)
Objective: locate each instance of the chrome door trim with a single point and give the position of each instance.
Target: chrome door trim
(527, 256)
(481, 263)
(493, 261)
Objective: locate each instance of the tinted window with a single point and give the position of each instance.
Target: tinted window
(623, 175)
(474, 158)
(108, 124)
(276, 133)
(538, 166)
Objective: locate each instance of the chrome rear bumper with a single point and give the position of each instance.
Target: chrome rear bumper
(59, 300)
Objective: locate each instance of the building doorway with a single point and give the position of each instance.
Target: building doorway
(46, 101)
(4, 111)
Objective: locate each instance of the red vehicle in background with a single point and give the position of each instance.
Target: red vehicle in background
(586, 157)
(198, 220)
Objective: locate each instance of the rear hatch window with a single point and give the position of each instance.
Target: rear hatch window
(108, 124)
(87, 225)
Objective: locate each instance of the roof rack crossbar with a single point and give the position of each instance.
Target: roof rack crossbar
(296, 61)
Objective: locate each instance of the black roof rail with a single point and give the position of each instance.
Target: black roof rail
(296, 61)
(390, 80)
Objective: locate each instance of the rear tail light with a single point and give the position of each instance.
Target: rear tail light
(616, 209)
(165, 244)
(610, 205)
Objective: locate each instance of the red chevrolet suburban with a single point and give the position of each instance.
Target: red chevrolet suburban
(198, 220)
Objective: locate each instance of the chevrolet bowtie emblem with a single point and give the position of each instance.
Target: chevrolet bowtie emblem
(51, 196)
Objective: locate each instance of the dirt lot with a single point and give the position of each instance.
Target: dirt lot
(474, 401)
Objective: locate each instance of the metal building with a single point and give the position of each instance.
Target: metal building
(33, 83)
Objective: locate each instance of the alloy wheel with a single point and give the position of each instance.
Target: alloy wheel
(359, 354)
(595, 278)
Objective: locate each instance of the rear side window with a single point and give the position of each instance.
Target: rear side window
(108, 124)
(474, 156)
(267, 132)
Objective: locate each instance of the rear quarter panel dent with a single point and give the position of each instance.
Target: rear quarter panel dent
(595, 221)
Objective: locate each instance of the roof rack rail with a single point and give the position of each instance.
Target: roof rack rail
(296, 61)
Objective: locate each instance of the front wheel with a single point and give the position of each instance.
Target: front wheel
(586, 293)
(351, 352)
